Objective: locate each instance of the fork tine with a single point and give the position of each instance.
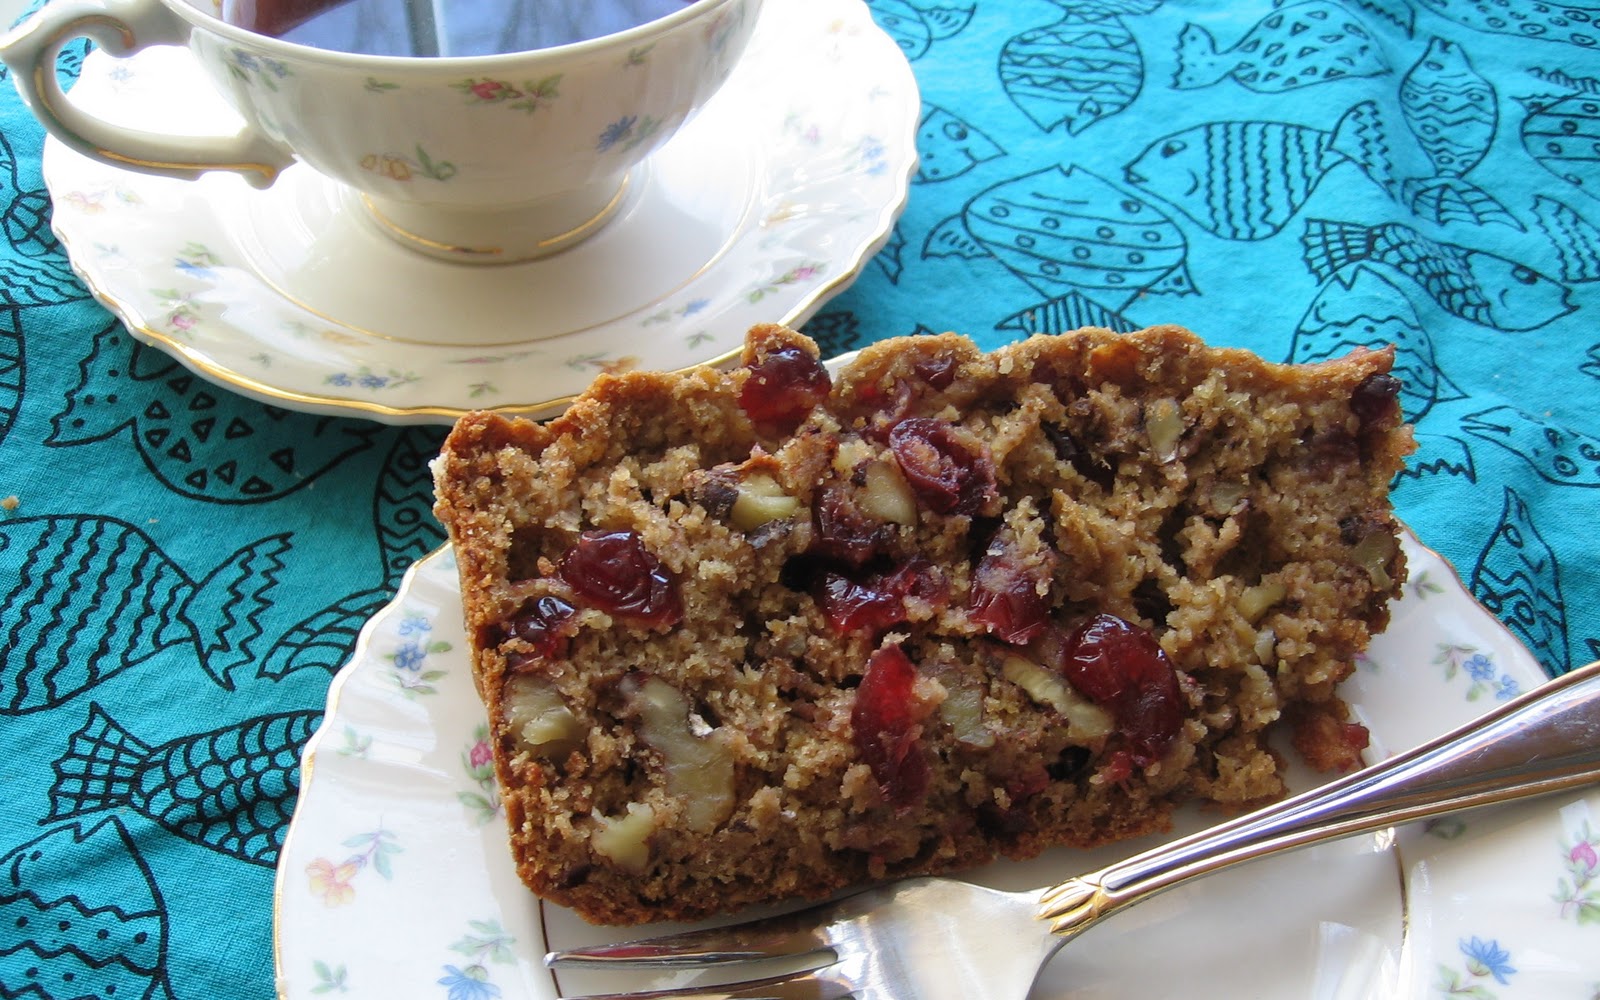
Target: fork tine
(789, 935)
(815, 984)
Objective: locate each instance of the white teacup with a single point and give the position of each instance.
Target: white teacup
(494, 157)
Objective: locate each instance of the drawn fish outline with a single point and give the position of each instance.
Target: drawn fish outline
(84, 598)
(1296, 45)
(1246, 180)
(81, 916)
(1453, 113)
(229, 789)
(1475, 285)
(1066, 229)
(1557, 454)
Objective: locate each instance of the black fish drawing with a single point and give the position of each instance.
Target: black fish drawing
(230, 789)
(82, 598)
(406, 530)
(200, 442)
(1066, 229)
(66, 933)
(1518, 579)
(1575, 240)
(1537, 20)
(1245, 180)
(37, 272)
(916, 28)
(1297, 45)
(1369, 311)
(1557, 454)
(1453, 114)
(1440, 455)
(948, 147)
(1082, 69)
(1071, 311)
(1561, 78)
(1473, 284)
(1563, 134)
(11, 375)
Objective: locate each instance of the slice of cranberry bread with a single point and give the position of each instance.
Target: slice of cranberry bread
(758, 634)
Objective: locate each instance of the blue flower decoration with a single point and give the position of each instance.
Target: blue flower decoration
(339, 378)
(415, 625)
(1479, 667)
(1487, 958)
(696, 306)
(466, 985)
(1507, 688)
(617, 131)
(410, 656)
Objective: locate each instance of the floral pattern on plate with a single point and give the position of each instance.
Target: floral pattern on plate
(816, 143)
(1499, 904)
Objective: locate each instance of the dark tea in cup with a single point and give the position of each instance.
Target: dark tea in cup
(442, 27)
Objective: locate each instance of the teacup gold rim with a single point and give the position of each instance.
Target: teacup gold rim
(628, 38)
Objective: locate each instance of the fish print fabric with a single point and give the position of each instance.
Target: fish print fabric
(182, 570)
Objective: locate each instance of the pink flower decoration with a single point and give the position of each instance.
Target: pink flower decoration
(480, 754)
(1584, 854)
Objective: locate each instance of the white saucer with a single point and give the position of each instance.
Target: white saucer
(765, 206)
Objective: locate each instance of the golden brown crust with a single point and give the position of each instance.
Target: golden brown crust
(1234, 508)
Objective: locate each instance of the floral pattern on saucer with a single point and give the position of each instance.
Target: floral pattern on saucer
(819, 177)
(1497, 905)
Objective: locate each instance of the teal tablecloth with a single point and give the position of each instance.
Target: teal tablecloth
(1297, 178)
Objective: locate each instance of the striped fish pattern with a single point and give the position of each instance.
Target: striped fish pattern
(83, 598)
(230, 789)
(1080, 70)
(1453, 114)
(1246, 180)
(1574, 239)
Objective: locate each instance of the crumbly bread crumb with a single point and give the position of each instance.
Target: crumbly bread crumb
(751, 635)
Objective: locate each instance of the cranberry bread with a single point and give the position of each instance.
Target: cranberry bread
(759, 634)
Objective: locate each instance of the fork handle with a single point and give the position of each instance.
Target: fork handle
(1544, 741)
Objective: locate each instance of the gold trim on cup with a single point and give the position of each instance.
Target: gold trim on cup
(543, 247)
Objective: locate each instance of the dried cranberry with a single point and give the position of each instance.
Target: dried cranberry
(843, 531)
(783, 386)
(1120, 667)
(1375, 399)
(878, 602)
(614, 572)
(945, 473)
(541, 623)
(1009, 597)
(939, 371)
(885, 727)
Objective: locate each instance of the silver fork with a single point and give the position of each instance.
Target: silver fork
(930, 938)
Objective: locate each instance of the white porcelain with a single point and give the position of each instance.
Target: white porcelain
(472, 158)
(395, 879)
(291, 295)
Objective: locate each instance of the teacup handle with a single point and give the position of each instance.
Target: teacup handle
(122, 27)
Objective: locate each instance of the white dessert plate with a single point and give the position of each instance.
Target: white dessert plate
(762, 208)
(395, 880)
